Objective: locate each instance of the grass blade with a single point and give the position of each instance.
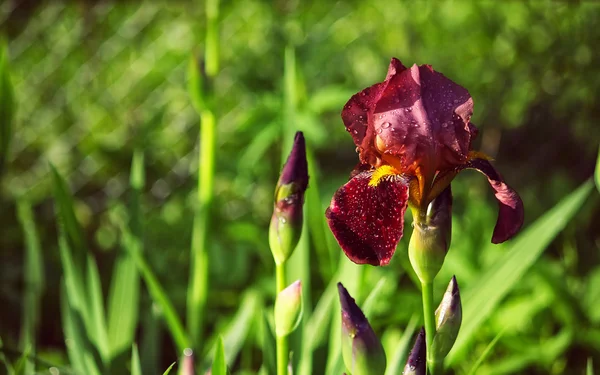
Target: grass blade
(7, 106)
(590, 367)
(486, 352)
(34, 281)
(236, 333)
(96, 309)
(124, 291)
(397, 361)
(481, 300)
(597, 172)
(158, 294)
(268, 346)
(168, 370)
(67, 218)
(136, 368)
(219, 366)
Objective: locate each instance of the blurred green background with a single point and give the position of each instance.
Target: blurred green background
(95, 80)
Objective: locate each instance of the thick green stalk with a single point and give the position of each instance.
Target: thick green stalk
(429, 316)
(199, 265)
(282, 342)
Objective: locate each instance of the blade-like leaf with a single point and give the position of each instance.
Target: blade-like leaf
(237, 331)
(158, 294)
(597, 173)
(168, 370)
(590, 367)
(123, 295)
(219, 366)
(481, 299)
(136, 368)
(67, 219)
(398, 359)
(268, 346)
(486, 352)
(7, 105)
(95, 302)
(34, 281)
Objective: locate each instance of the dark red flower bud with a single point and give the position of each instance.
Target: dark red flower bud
(417, 361)
(286, 222)
(361, 349)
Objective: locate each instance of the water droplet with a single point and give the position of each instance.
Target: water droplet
(354, 131)
(444, 124)
(379, 131)
(408, 109)
(386, 125)
(282, 220)
(358, 149)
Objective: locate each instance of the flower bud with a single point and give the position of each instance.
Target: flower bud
(288, 309)
(417, 361)
(361, 349)
(448, 317)
(431, 236)
(286, 222)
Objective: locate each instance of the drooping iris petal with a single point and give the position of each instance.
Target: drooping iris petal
(510, 215)
(368, 221)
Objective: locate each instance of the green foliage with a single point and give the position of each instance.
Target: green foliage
(114, 276)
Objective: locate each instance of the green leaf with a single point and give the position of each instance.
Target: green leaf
(486, 352)
(483, 297)
(597, 173)
(136, 368)
(96, 309)
(124, 291)
(219, 366)
(590, 367)
(7, 105)
(34, 281)
(168, 370)
(82, 355)
(398, 359)
(158, 294)
(67, 219)
(237, 331)
(268, 345)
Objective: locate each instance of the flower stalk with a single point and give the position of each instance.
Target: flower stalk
(285, 231)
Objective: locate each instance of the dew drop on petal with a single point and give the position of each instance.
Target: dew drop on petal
(386, 125)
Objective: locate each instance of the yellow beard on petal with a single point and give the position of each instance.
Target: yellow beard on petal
(382, 173)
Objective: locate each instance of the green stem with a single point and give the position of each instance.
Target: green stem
(429, 316)
(199, 265)
(282, 342)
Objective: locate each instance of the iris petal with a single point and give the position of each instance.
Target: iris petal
(510, 215)
(368, 221)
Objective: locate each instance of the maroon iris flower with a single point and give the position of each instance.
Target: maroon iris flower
(413, 134)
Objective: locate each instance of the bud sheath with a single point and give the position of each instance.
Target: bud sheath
(431, 236)
(288, 309)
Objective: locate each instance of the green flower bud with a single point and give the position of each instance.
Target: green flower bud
(431, 236)
(416, 364)
(361, 349)
(288, 309)
(448, 317)
(286, 222)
